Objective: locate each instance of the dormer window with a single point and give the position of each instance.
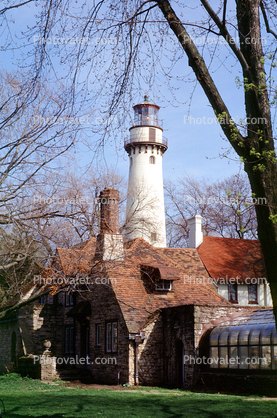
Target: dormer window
(159, 277)
(164, 285)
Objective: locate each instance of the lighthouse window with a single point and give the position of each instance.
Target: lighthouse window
(131, 161)
(151, 160)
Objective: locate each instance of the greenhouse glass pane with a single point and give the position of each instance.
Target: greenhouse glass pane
(233, 357)
(233, 335)
(243, 335)
(214, 336)
(223, 357)
(254, 337)
(214, 357)
(274, 337)
(243, 357)
(266, 357)
(223, 336)
(265, 336)
(274, 364)
(254, 359)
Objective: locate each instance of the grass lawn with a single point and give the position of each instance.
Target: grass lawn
(32, 398)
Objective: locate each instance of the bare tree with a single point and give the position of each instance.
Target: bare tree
(61, 211)
(227, 208)
(145, 31)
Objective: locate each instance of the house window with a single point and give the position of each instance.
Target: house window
(42, 299)
(69, 300)
(98, 334)
(111, 337)
(69, 339)
(252, 293)
(153, 236)
(164, 285)
(152, 160)
(233, 292)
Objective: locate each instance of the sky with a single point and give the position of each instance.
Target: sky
(195, 140)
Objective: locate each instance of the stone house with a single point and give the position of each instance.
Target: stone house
(116, 312)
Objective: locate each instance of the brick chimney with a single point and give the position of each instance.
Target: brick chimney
(109, 211)
(109, 242)
(195, 231)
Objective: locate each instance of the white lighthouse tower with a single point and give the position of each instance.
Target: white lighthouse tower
(145, 215)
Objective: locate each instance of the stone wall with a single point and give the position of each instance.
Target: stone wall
(105, 309)
(178, 338)
(22, 333)
(183, 328)
(150, 354)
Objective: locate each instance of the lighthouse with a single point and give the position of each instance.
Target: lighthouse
(145, 215)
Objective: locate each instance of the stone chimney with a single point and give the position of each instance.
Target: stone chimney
(195, 231)
(109, 244)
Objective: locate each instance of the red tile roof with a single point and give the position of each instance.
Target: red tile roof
(226, 258)
(136, 299)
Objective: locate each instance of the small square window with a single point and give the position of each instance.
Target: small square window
(164, 285)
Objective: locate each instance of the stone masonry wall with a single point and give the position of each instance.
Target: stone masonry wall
(150, 354)
(105, 308)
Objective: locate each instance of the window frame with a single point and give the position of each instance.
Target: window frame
(154, 236)
(163, 287)
(111, 337)
(42, 300)
(253, 302)
(230, 292)
(69, 339)
(69, 299)
(98, 335)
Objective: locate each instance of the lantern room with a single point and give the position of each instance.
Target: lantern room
(146, 113)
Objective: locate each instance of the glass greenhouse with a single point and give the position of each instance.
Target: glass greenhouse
(249, 342)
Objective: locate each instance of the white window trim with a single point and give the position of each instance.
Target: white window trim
(163, 285)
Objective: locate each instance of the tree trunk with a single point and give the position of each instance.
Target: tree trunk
(257, 148)
(260, 164)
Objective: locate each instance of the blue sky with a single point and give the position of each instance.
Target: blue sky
(193, 147)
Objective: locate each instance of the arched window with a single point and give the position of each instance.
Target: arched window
(131, 161)
(152, 160)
